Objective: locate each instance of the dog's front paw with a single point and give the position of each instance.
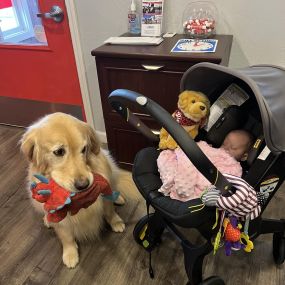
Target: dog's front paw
(70, 257)
(118, 227)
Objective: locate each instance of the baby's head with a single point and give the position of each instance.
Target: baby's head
(237, 143)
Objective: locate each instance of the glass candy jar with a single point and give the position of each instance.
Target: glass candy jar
(200, 19)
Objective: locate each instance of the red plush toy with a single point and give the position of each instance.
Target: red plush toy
(59, 201)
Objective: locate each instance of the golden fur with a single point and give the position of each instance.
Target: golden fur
(82, 156)
(195, 106)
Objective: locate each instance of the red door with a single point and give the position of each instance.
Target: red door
(38, 72)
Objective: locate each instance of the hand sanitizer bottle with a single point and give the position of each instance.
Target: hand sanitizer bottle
(134, 20)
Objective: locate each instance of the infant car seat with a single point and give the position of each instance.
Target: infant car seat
(265, 87)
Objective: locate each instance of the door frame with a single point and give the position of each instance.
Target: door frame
(80, 65)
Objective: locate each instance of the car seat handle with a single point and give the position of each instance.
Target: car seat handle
(121, 98)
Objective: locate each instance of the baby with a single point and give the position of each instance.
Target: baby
(237, 143)
(182, 180)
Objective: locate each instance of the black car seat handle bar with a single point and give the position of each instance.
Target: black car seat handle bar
(121, 98)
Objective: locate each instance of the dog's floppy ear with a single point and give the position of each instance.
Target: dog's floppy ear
(31, 149)
(94, 143)
(28, 144)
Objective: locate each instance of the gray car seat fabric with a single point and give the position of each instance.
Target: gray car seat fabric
(266, 83)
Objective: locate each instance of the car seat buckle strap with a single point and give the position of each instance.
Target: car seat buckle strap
(201, 207)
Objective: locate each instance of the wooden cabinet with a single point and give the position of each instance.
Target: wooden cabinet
(152, 71)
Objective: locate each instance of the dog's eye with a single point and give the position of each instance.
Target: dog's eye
(59, 152)
(193, 101)
(83, 150)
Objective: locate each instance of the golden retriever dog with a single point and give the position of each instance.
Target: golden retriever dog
(67, 150)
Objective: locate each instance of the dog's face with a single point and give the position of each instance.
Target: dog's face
(60, 146)
(194, 105)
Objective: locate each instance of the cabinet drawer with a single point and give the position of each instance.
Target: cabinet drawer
(162, 85)
(178, 66)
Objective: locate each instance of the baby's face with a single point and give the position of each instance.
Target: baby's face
(236, 145)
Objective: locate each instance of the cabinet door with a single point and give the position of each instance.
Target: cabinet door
(161, 85)
(124, 141)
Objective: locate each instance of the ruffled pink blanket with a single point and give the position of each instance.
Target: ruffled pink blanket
(181, 179)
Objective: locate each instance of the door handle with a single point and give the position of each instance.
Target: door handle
(55, 13)
(152, 67)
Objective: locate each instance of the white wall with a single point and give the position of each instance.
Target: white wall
(97, 21)
(257, 27)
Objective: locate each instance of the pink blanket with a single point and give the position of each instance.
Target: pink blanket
(181, 179)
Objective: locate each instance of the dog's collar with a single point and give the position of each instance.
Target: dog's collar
(181, 119)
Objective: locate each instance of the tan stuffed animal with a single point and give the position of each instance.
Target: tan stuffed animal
(192, 113)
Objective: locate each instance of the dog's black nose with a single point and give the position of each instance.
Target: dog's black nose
(81, 184)
(202, 108)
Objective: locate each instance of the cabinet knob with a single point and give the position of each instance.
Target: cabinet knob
(152, 67)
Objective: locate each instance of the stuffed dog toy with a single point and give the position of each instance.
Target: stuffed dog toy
(192, 113)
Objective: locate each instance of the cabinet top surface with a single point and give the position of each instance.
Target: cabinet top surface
(163, 51)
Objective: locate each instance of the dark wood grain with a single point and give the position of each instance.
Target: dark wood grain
(30, 253)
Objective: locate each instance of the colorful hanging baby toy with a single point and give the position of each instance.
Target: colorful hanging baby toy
(58, 202)
(242, 206)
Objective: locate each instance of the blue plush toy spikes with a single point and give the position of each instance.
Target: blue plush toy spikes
(42, 178)
(44, 192)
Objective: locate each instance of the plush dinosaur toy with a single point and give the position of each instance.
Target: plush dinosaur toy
(59, 201)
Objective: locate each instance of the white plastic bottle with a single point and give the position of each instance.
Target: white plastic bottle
(134, 20)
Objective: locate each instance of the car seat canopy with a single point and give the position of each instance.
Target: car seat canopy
(265, 83)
